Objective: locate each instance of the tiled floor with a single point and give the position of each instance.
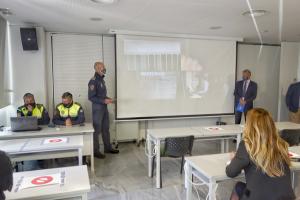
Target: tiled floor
(124, 176)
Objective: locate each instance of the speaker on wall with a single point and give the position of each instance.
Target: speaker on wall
(29, 39)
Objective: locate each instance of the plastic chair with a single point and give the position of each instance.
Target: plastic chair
(176, 147)
(291, 136)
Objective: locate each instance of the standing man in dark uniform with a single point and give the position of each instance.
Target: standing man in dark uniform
(98, 96)
(245, 93)
(293, 102)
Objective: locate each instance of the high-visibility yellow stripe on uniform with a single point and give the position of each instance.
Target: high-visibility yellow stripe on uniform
(36, 112)
(68, 112)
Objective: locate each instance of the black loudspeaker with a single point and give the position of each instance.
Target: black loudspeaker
(29, 40)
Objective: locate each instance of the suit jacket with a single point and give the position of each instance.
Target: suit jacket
(260, 186)
(250, 95)
(292, 97)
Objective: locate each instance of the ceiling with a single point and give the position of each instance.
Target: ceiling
(164, 16)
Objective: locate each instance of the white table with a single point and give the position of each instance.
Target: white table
(287, 125)
(210, 169)
(37, 149)
(76, 185)
(156, 136)
(87, 131)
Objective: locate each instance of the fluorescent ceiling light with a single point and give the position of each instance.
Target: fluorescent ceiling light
(96, 19)
(5, 11)
(215, 27)
(255, 13)
(105, 1)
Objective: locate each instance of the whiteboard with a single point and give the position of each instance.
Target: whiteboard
(174, 77)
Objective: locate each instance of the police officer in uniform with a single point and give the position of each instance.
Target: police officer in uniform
(68, 113)
(30, 108)
(98, 96)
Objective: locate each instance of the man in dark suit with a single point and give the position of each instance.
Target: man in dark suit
(293, 102)
(245, 93)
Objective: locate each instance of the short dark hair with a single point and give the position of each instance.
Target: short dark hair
(6, 172)
(247, 70)
(27, 95)
(67, 95)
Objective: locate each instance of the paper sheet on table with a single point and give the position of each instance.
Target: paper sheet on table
(55, 140)
(40, 181)
(293, 155)
(215, 128)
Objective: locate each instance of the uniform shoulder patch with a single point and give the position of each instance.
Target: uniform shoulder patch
(92, 87)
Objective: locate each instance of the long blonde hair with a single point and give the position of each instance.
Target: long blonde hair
(263, 143)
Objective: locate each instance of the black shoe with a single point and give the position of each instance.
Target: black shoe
(99, 155)
(112, 151)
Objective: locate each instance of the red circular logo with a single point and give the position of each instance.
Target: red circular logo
(55, 140)
(42, 180)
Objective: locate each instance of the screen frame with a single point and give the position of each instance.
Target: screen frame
(166, 116)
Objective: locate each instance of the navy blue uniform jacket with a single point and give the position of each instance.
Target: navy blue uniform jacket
(292, 97)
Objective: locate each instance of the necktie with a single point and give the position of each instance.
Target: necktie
(244, 88)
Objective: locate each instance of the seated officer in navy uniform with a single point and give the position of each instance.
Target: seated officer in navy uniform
(30, 108)
(68, 113)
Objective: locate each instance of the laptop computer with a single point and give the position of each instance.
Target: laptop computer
(24, 124)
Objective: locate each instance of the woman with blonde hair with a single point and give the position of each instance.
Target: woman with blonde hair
(263, 156)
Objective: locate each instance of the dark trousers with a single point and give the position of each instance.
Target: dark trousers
(240, 189)
(101, 125)
(238, 116)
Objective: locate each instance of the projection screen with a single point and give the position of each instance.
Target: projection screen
(161, 77)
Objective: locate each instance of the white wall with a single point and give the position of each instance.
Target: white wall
(289, 73)
(3, 39)
(125, 130)
(28, 72)
(28, 68)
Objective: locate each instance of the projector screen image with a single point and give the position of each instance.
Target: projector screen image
(171, 77)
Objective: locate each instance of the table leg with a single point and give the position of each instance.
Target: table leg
(222, 145)
(80, 156)
(293, 179)
(150, 156)
(157, 146)
(92, 153)
(188, 179)
(227, 145)
(238, 140)
(84, 197)
(212, 190)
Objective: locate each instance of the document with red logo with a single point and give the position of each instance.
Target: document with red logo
(55, 140)
(293, 155)
(39, 181)
(215, 128)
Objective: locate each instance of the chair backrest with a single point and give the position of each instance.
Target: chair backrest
(178, 146)
(291, 136)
